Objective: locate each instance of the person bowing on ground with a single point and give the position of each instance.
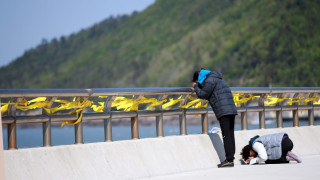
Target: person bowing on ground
(270, 149)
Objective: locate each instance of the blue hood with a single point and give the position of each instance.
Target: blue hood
(203, 75)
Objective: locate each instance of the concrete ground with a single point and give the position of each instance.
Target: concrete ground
(308, 169)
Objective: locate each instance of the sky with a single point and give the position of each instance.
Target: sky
(24, 23)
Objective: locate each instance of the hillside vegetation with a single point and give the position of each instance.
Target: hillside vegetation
(253, 43)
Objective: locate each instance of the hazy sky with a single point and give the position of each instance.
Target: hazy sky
(24, 23)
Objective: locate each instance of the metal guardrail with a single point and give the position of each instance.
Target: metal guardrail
(16, 95)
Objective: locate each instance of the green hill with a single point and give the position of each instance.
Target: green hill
(253, 43)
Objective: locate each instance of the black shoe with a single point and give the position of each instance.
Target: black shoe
(225, 163)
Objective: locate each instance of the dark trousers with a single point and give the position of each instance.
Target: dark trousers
(227, 129)
(286, 145)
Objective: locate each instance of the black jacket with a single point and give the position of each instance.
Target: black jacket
(217, 92)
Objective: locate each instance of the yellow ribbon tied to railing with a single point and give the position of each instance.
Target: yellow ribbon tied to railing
(4, 108)
(171, 102)
(25, 105)
(273, 100)
(317, 102)
(126, 104)
(310, 99)
(155, 102)
(97, 108)
(78, 107)
(194, 103)
(36, 103)
(130, 105)
(240, 98)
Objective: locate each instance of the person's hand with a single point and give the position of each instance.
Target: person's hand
(193, 84)
(253, 161)
(249, 159)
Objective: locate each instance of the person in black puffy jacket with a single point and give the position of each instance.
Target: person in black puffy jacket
(209, 85)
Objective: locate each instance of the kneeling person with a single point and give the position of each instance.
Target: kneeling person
(269, 149)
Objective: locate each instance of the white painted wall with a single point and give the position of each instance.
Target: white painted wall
(140, 158)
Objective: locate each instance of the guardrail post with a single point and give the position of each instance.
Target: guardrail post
(134, 127)
(262, 114)
(108, 129)
(12, 136)
(279, 114)
(108, 121)
(159, 119)
(135, 123)
(183, 117)
(46, 126)
(244, 121)
(311, 111)
(182, 122)
(12, 128)
(46, 133)
(204, 122)
(78, 128)
(159, 125)
(295, 115)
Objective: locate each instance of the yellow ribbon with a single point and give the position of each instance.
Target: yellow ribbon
(73, 122)
(194, 103)
(78, 107)
(317, 102)
(239, 98)
(130, 105)
(156, 103)
(171, 102)
(125, 104)
(4, 108)
(25, 105)
(310, 99)
(273, 100)
(99, 108)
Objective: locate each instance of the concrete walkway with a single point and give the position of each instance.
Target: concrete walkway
(308, 169)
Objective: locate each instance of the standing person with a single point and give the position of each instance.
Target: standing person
(269, 149)
(209, 85)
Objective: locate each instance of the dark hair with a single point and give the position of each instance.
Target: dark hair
(195, 76)
(246, 152)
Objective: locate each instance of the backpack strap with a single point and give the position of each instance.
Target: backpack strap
(253, 139)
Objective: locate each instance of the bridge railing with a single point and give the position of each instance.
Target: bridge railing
(247, 99)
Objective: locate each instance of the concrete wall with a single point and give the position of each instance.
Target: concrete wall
(140, 158)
